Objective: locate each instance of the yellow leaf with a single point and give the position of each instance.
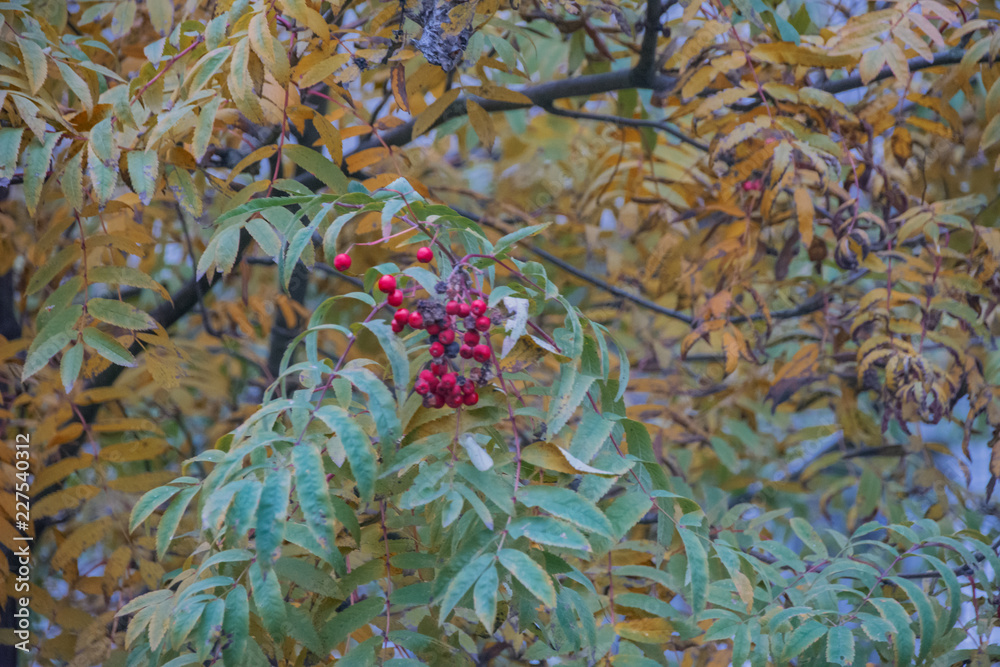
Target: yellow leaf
(60, 470)
(397, 76)
(645, 630)
(481, 123)
(330, 137)
(501, 94)
(431, 114)
(142, 482)
(133, 450)
(64, 499)
(268, 48)
(902, 144)
(358, 161)
(806, 212)
(784, 53)
(553, 457)
(704, 37)
(79, 541)
(241, 84)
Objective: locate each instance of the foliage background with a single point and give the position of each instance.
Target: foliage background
(784, 212)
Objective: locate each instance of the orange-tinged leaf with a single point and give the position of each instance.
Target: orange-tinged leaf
(645, 630)
(481, 123)
(785, 53)
(806, 213)
(397, 75)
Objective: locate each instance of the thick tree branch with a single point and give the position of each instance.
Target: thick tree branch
(629, 122)
(645, 70)
(540, 95)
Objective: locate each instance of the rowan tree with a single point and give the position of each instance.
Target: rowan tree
(485, 332)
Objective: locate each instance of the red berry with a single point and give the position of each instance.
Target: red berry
(478, 307)
(469, 387)
(481, 352)
(448, 380)
(387, 284)
(471, 398)
(437, 401)
(422, 387)
(465, 352)
(433, 383)
(402, 316)
(426, 374)
(342, 262)
(433, 328)
(395, 298)
(471, 337)
(451, 307)
(453, 401)
(437, 350)
(425, 254)
(397, 326)
(447, 337)
(464, 309)
(416, 320)
(483, 323)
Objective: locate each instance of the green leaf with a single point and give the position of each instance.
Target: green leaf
(570, 393)
(925, 614)
(395, 350)
(72, 181)
(148, 504)
(510, 239)
(272, 513)
(108, 347)
(313, 494)
(697, 568)
(143, 170)
(840, 646)
(484, 597)
(547, 530)
(10, 148)
(203, 129)
(805, 532)
(317, 165)
(103, 175)
(53, 267)
(359, 614)
(69, 367)
(359, 450)
(802, 638)
(529, 573)
(120, 314)
(460, 584)
(171, 519)
(37, 157)
(954, 589)
(126, 275)
(263, 233)
(568, 505)
(50, 340)
(381, 404)
(35, 65)
(268, 599)
(904, 642)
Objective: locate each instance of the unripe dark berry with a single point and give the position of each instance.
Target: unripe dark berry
(342, 262)
(397, 326)
(451, 307)
(437, 350)
(470, 399)
(447, 336)
(465, 352)
(453, 401)
(386, 284)
(402, 316)
(471, 337)
(422, 387)
(483, 323)
(452, 349)
(395, 298)
(416, 320)
(478, 307)
(481, 352)
(464, 309)
(425, 254)
(433, 328)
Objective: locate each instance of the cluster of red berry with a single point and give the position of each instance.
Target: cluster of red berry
(439, 383)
